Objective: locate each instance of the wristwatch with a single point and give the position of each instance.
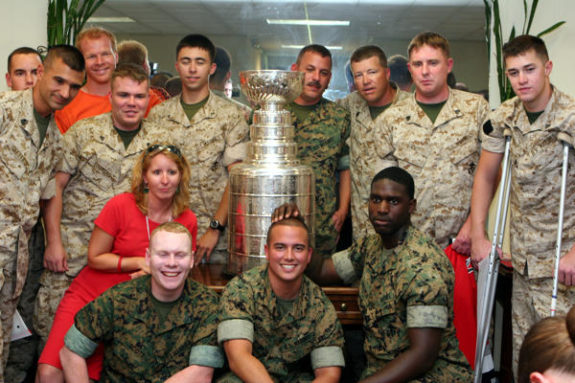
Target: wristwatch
(215, 224)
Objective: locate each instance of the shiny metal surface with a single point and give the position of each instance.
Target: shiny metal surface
(271, 175)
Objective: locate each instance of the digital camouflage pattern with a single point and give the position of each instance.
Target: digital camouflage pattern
(139, 347)
(100, 167)
(408, 286)
(321, 143)
(26, 167)
(282, 343)
(215, 138)
(364, 163)
(536, 164)
(441, 157)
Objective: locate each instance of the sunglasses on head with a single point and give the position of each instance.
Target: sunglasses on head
(161, 148)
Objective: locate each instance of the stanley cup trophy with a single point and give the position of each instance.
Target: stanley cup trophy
(271, 175)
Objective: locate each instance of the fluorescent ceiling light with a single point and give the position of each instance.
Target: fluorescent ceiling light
(333, 48)
(325, 23)
(110, 20)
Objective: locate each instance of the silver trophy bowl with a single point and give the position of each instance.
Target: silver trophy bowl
(271, 89)
(271, 175)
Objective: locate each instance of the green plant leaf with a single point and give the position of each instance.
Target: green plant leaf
(532, 15)
(551, 28)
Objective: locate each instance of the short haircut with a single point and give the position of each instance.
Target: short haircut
(549, 344)
(160, 79)
(399, 72)
(129, 70)
(223, 62)
(172, 227)
(93, 33)
(174, 86)
(22, 51)
(132, 51)
(367, 52)
(315, 48)
(71, 56)
(197, 41)
(295, 221)
(524, 43)
(398, 175)
(182, 197)
(432, 39)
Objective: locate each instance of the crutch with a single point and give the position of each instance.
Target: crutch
(564, 138)
(486, 307)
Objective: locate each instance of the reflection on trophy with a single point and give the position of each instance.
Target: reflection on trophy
(271, 174)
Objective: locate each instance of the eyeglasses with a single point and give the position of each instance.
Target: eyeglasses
(161, 148)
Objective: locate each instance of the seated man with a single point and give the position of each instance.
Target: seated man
(406, 290)
(276, 324)
(155, 327)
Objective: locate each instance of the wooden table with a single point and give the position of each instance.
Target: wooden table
(344, 299)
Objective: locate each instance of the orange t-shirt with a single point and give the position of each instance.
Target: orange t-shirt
(86, 105)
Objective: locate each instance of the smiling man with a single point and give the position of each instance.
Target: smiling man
(374, 95)
(96, 164)
(29, 146)
(434, 134)
(159, 327)
(321, 131)
(536, 117)
(275, 323)
(212, 133)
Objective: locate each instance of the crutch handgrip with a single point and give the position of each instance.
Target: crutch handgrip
(565, 137)
(507, 132)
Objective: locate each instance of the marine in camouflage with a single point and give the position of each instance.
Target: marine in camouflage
(536, 163)
(363, 164)
(322, 144)
(139, 347)
(26, 169)
(283, 344)
(405, 287)
(441, 157)
(215, 138)
(100, 167)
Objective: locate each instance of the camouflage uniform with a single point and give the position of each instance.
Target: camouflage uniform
(244, 108)
(139, 345)
(322, 144)
(25, 170)
(441, 157)
(100, 167)
(283, 344)
(410, 286)
(536, 163)
(214, 139)
(364, 163)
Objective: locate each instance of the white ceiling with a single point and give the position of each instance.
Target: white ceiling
(370, 20)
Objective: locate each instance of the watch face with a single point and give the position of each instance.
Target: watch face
(214, 224)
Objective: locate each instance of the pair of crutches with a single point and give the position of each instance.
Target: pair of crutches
(486, 303)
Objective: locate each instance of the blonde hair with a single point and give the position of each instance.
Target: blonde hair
(182, 196)
(433, 39)
(94, 33)
(172, 227)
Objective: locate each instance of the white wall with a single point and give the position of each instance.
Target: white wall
(23, 23)
(559, 43)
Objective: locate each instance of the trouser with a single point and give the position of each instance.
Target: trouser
(52, 288)
(23, 356)
(531, 302)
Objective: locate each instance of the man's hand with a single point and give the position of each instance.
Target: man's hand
(285, 211)
(338, 218)
(206, 245)
(567, 268)
(480, 249)
(462, 243)
(55, 258)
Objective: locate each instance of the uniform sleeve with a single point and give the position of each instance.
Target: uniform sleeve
(492, 138)
(109, 218)
(383, 142)
(95, 320)
(235, 312)
(349, 262)
(328, 339)
(68, 161)
(343, 163)
(208, 309)
(426, 293)
(236, 137)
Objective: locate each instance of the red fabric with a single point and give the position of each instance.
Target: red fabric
(464, 303)
(122, 219)
(86, 105)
